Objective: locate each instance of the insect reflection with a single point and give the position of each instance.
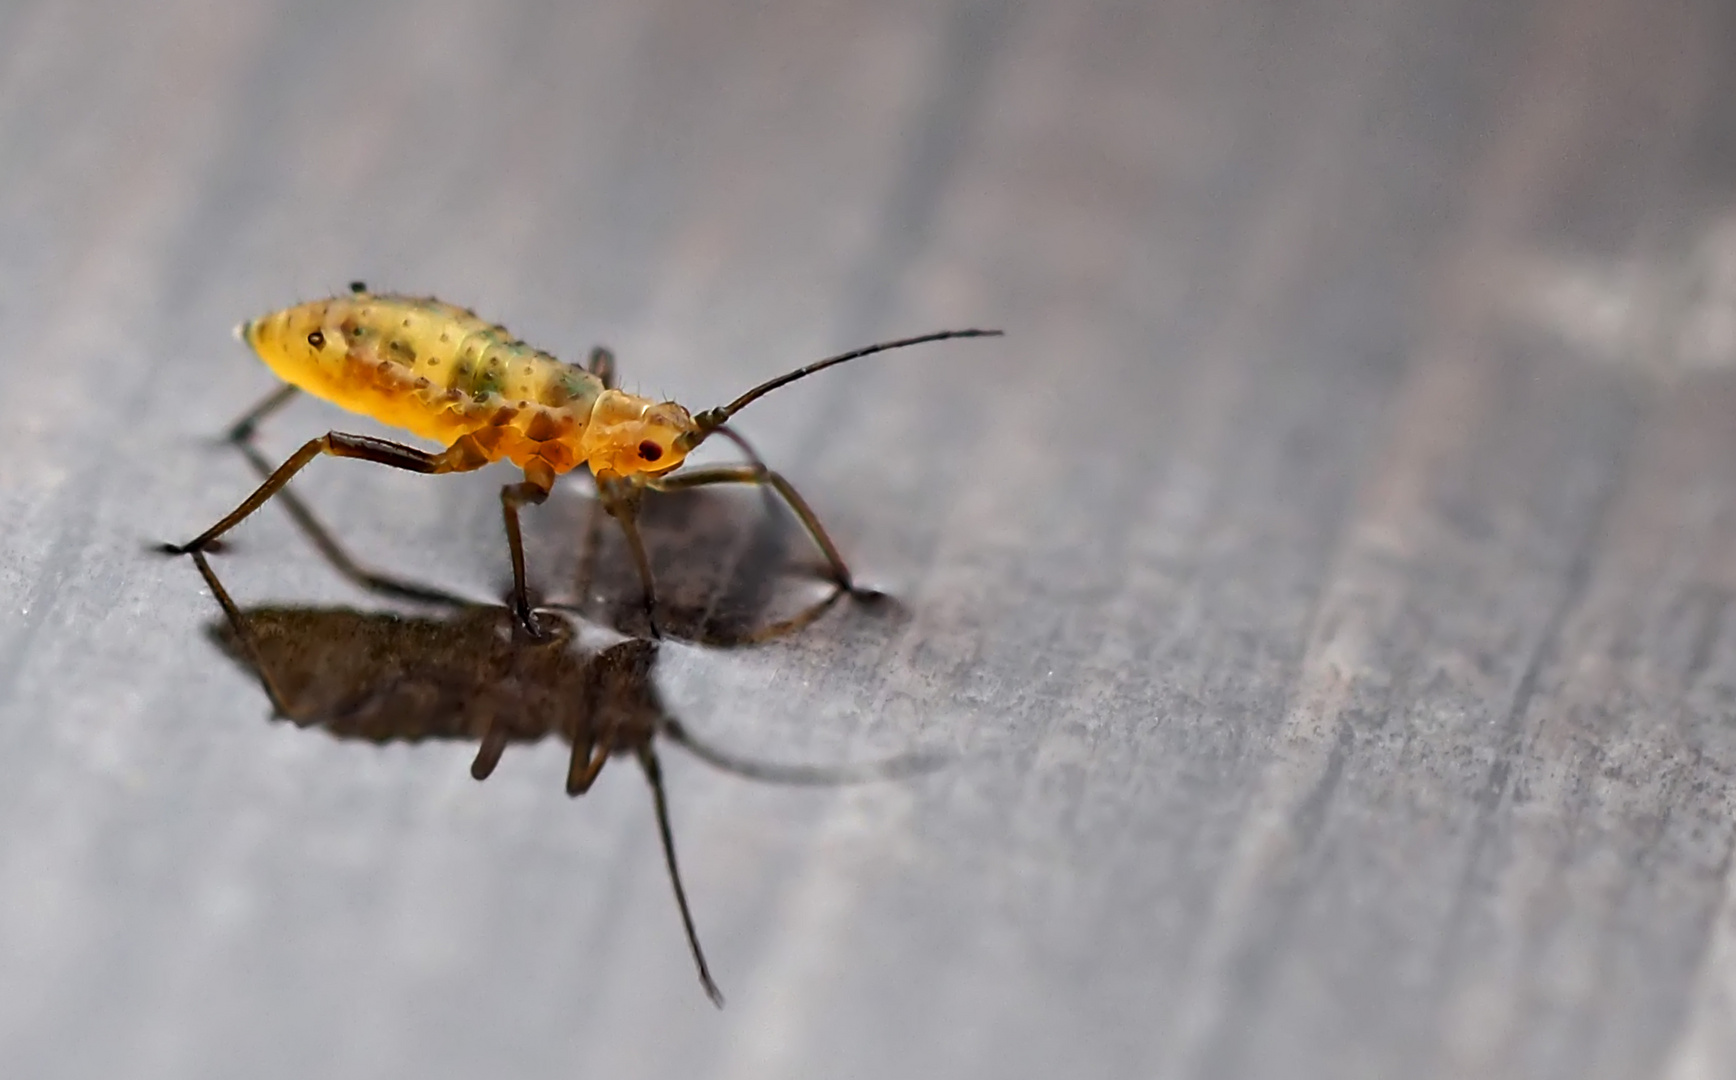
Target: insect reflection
(475, 675)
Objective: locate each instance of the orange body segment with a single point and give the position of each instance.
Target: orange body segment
(443, 373)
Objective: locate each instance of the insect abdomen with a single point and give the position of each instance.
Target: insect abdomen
(432, 369)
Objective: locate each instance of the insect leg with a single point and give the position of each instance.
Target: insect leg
(460, 457)
(759, 474)
(654, 773)
(243, 634)
(602, 365)
(621, 500)
(241, 434)
(587, 572)
(242, 429)
(532, 491)
(594, 734)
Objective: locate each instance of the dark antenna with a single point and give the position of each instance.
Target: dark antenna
(711, 419)
(654, 773)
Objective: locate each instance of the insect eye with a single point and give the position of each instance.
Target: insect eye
(650, 451)
(316, 339)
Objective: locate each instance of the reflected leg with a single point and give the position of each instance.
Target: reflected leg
(591, 742)
(782, 628)
(802, 775)
(243, 634)
(758, 474)
(582, 769)
(488, 753)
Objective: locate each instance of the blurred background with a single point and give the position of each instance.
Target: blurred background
(1323, 591)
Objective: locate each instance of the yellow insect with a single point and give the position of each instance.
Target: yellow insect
(442, 373)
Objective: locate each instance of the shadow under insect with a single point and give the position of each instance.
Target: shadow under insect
(476, 676)
(727, 573)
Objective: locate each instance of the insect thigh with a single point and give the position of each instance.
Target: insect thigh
(457, 458)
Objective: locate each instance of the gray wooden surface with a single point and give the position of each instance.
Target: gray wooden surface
(1325, 588)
